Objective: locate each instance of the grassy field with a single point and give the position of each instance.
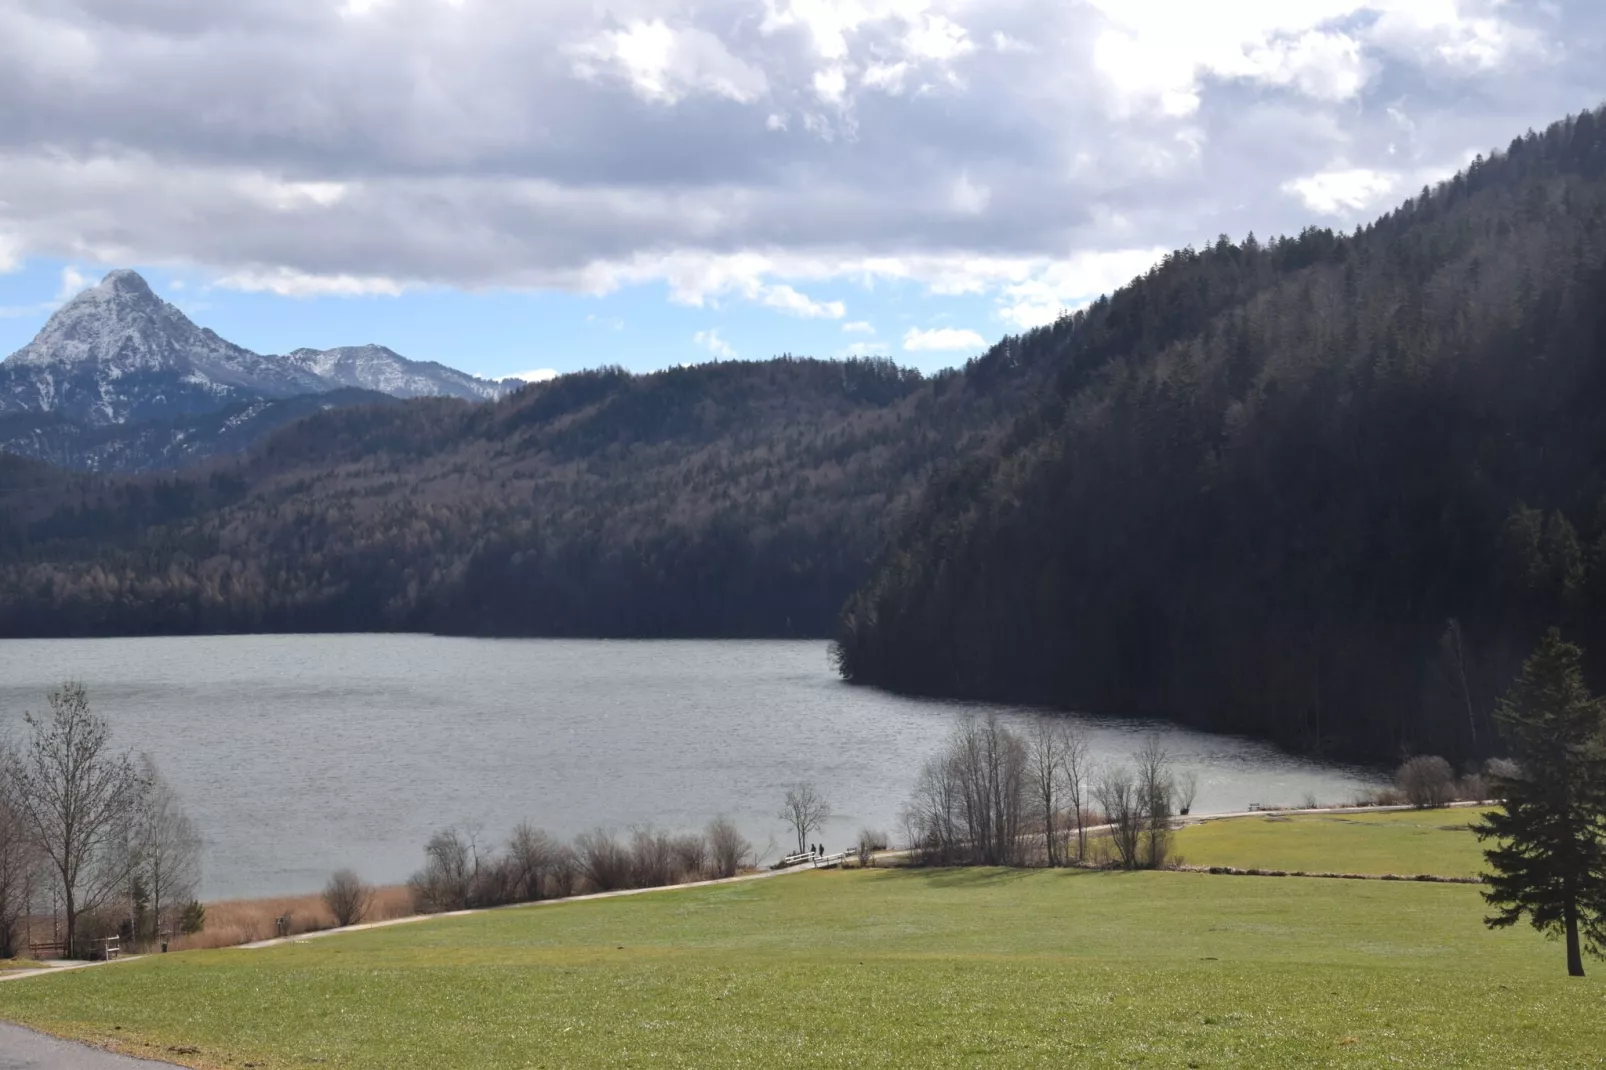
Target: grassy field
(1403, 842)
(879, 968)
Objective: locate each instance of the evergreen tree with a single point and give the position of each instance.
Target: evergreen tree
(1550, 859)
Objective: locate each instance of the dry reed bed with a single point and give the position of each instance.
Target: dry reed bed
(232, 922)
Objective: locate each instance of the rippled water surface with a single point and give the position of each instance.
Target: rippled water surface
(301, 754)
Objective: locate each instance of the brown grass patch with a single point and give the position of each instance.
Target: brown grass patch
(231, 922)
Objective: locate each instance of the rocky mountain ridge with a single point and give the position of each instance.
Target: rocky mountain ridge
(118, 367)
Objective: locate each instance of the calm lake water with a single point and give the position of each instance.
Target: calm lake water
(301, 754)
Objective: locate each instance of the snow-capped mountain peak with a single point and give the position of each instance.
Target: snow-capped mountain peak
(376, 367)
(118, 353)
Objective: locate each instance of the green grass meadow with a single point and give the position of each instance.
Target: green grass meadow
(1404, 842)
(944, 968)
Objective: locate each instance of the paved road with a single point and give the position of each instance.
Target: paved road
(23, 1049)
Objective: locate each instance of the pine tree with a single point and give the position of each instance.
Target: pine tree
(1550, 859)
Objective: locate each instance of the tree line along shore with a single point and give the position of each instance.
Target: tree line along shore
(107, 842)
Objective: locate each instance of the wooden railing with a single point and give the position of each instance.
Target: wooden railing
(43, 950)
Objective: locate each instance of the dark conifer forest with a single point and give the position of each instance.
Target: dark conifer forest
(1326, 489)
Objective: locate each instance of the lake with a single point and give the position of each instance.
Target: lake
(300, 754)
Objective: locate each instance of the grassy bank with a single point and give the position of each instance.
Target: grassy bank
(938, 968)
(1401, 842)
(8, 965)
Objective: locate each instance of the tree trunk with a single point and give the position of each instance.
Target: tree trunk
(1575, 961)
(70, 949)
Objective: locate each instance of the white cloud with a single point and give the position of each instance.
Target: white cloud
(1155, 54)
(73, 283)
(711, 341)
(1326, 66)
(937, 37)
(1462, 34)
(1345, 191)
(858, 327)
(11, 252)
(287, 282)
(942, 340)
(831, 85)
(667, 64)
(1003, 42)
(783, 298)
(887, 77)
(535, 375)
(1046, 290)
(970, 198)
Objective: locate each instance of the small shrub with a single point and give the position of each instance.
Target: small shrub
(532, 858)
(494, 883)
(728, 849)
(652, 858)
(1427, 781)
(602, 860)
(690, 853)
(1472, 787)
(561, 875)
(1496, 772)
(193, 919)
(870, 841)
(347, 897)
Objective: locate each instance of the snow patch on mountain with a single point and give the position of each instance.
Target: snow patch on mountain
(375, 367)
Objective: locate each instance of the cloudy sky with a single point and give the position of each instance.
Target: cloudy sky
(509, 185)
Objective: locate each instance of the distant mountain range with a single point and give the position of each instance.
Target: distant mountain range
(120, 380)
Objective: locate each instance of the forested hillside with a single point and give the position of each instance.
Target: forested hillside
(1336, 512)
(733, 499)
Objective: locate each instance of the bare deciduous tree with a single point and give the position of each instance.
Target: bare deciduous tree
(806, 811)
(1120, 799)
(933, 818)
(1156, 788)
(1187, 789)
(728, 849)
(445, 881)
(167, 849)
(992, 776)
(347, 897)
(18, 866)
(75, 796)
(602, 860)
(532, 858)
(1046, 768)
(971, 800)
(1077, 766)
